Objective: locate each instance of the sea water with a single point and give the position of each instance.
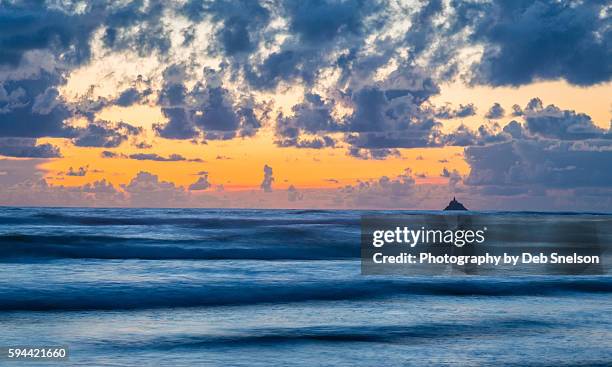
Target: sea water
(187, 287)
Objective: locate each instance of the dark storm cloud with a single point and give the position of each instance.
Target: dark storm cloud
(207, 108)
(286, 65)
(33, 108)
(383, 118)
(417, 136)
(391, 118)
(523, 41)
(517, 110)
(313, 116)
(105, 134)
(555, 123)
(423, 30)
(530, 39)
(495, 112)
(317, 30)
(128, 97)
(240, 22)
(31, 25)
(370, 112)
(137, 26)
(373, 153)
(463, 136)
(446, 112)
(378, 121)
(314, 143)
(173, 92)
(131, 96)
(554, 149)
(179, 125)
(217, 111)
(61, 33)
(540, 163)
(27, 148)
(321, 21)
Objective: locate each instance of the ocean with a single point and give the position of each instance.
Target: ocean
(201, 287)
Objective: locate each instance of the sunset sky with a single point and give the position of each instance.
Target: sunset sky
(306, 104)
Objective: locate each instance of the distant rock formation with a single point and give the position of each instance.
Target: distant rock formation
(455, 205)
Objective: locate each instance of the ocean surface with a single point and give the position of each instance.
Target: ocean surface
(191, 287)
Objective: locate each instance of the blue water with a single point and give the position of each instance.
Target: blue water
(186, 287)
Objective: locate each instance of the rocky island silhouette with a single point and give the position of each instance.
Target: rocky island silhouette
(455, 205)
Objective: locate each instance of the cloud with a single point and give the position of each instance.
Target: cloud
(40, 45)
(336, 48)
(314, 143)
(80, 172)
(143, 145)
(109, 154)
(28, 26)
(541, 159)
(149, 157)
(179, 125)
(386, 116)
(27, 148)
(543, 164)
(454, 177)
(368, 71)
(554, 149)
(528, 40)
(156, 157)
(312, 116)
(32, 108)
(464, 136)
(555, 123)
(517, 110)
(322, 21)
(266, 184)
(104, 193)
(26, 187)
(373, 153)
(495, 112)
(18, 170)
(146, 189)
(105, 134)
(293, 194)
(239, 23)
(208, 109)
(201, 183)
(446, 112)
(383, 192)
(137, 26)
(128, 97)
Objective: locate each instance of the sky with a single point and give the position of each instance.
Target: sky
(348, 104)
